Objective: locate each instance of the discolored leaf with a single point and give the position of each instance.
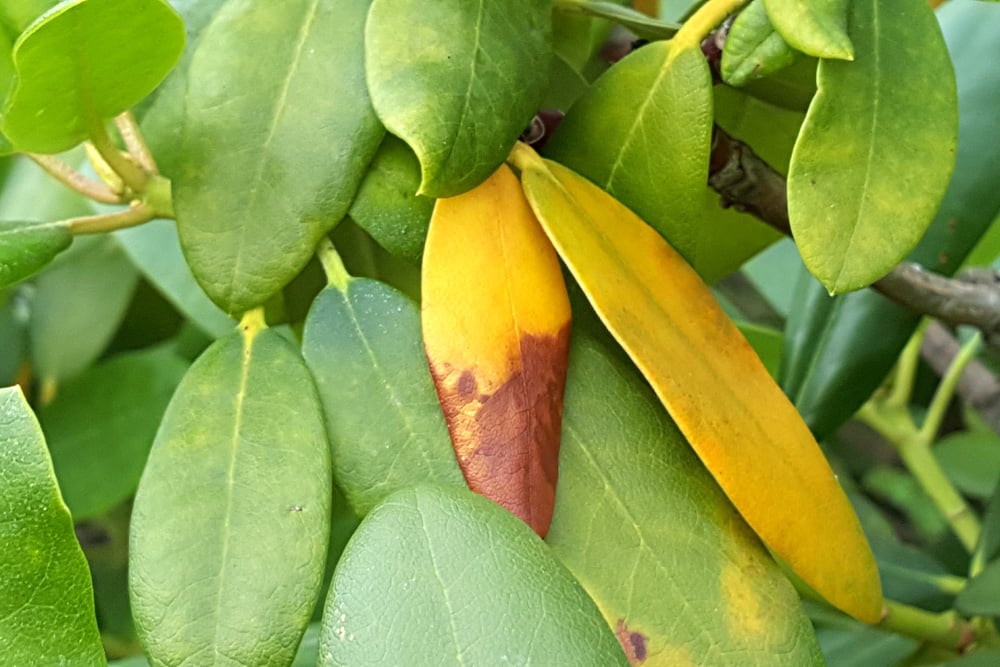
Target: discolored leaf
(458, 80)
(674, 569)
(877, 147)
(450, 577)
(26, 247)
(814, 27)
(362, 343)
(496, 329)
(652, 153)
(753, 48)
(230, 523)
(85, 61)
(46, 600)
(105, 419)
(77, 306)
(736, 418)
(265, 174)
(387, 205)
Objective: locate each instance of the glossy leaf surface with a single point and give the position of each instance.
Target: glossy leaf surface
(753, 48)
(448, 576)
(107, 418)
(156, 250)
(458, 80)
(362, 343)
(653, 152)
(655, 542)
(26, 247)
(496, 329)
(814, 27)
(877, 147)
(46, 600)
(69, 328)
(265, 174)
(84, 62)
(387, 205)
(230, 524)
(737, 420)
(825, 371)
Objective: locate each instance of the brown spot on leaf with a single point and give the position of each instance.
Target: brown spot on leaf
(507, 442)
(633, 643)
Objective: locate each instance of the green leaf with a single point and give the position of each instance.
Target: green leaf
(86, 61)
(77, 307)
(815, 27)
(753, 48)
(14, 313)
(791, 88)
(766, 342)
(104, 419)
(656, 167)
(265, 174)
(981, 596)
(827, 371)
(230, 524)
(16, 15)
(156, 250)
(26, 247)
(387, 205)
(971, 461)
(652, 538)
(446, 575)
(362, 343)
(46, 601)
(458, 81)
(877, 147)
(308, 652)
(858, 645)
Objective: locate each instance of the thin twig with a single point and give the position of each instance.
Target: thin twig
(73, 179)
(129, 130)
(978, 387)
(748, 183)
(136, 214)
(123, 164)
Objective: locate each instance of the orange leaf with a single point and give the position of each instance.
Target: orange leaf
(735, 417)
(496, 330)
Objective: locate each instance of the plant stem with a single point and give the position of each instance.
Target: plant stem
(703, 21)
(639, 23)
(906, 371)
(131, 173)
(129, 130)
(946, 388)
(333, 266)
(108, 222)
(73, 179)
(946, 629)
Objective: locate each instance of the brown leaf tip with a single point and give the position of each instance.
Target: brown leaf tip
(633, 643)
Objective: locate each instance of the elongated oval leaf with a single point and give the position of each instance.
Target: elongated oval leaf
(652, 152)
(85, 61)
(458, 80)
(672, 566)
(737, 420)
(877, 147)
(496, 330)
(266, 173)
(442, 576)
(231, 521)
(26, 247)
(814, 27)
(362, 343)
(753, 48)
(46, 600)
(123, 400)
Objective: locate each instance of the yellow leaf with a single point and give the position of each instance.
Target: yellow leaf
(735, 417)
(496, 330)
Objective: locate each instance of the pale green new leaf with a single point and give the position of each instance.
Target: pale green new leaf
(265, 173)
(83, 62)
(877, 148)
(231, 520)
(46, 600)
(814, 27)
(458, 80)
(753, 48)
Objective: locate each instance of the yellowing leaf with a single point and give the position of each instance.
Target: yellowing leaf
(735, 417)
(496, 330)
